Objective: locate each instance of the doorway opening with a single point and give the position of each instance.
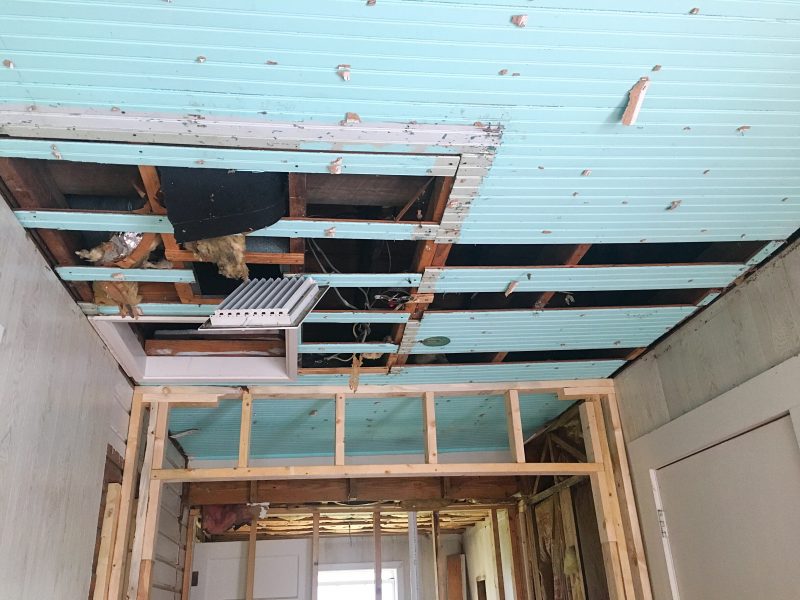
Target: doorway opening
(356, 584)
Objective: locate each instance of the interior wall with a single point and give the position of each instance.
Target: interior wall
(63, 400)
(480, 555)
(221, 565)
(729, 370)
(749, 330)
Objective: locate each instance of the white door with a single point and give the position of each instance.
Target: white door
(733, 517)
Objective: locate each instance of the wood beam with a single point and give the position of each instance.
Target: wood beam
(297, 208)
(440, 576)
(516, 442)
(427, 254)
(602, 495)
(195, 347)
(149, 505)
(119, 559)
(30, 186)
(574, 257)
(108, 532)
(339, 424)
(178, 254)
(188, 556)
(152, 187)
(568, 388)
(376, 534)
(315, 557)
(244, 429)
(412, 489)
(360, 471)
(517, 554)
(250, 576)
(627, 501)
(429, 416)
(498, 558)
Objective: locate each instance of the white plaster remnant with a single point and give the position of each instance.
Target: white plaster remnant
(350, 118)
(330, 232)
(343, 71)
(200, 59)
(55, 152)
(335, 168)
(8, 64)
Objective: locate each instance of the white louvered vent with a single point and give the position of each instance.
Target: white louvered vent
(267, 304)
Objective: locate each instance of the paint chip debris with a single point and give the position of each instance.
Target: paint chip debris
(511, 287)
(546, 231)
(335, 168)
(656, 68)
(515, 74)
(350, 118)
(200, 59)
(330, 232)
(271, 62)
(674, 204)
(635, 100)
(520, 20)
(707, 171)
(741, 129)
(503, 72)
(586, 172)
(343, 71)
(8, 64)
(55, 152)
(371, 2)
(694, 11)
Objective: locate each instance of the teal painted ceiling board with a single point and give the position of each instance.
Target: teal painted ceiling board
(529, 330)
(379, 425)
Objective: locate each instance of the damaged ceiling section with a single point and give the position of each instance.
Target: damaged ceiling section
(507, 201)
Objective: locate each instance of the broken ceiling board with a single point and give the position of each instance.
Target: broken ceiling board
(200, 312)
(530, 330)
(210, 130)
(366, 280)
(291, 228)
(277, 161)
(298, 428)
(112, 274)
(363, 190)
(347, 348)
(579, 279)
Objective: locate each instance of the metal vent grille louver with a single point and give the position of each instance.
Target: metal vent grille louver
(267, 304)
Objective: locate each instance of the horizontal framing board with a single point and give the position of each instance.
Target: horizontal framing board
(280, 161)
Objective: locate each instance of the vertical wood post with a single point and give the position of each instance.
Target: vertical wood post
(413, 557)
(376, 529)
(129, 473)
(602, 495)
(516, 443)
(147, 526)
(498, 557)
(338, 456)
(244, 431)
(517, 555)
(250, 578)
(439, 567)
(627, 502)
(429, 417)
(315, 556)
(188, 557)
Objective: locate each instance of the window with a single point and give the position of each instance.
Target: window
(356, 584)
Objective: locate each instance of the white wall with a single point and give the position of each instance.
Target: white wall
(728, 370)
(479, 548)
(750, 329)
(61, 403)
(221, 565)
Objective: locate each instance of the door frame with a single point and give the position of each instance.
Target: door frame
(771, 395)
